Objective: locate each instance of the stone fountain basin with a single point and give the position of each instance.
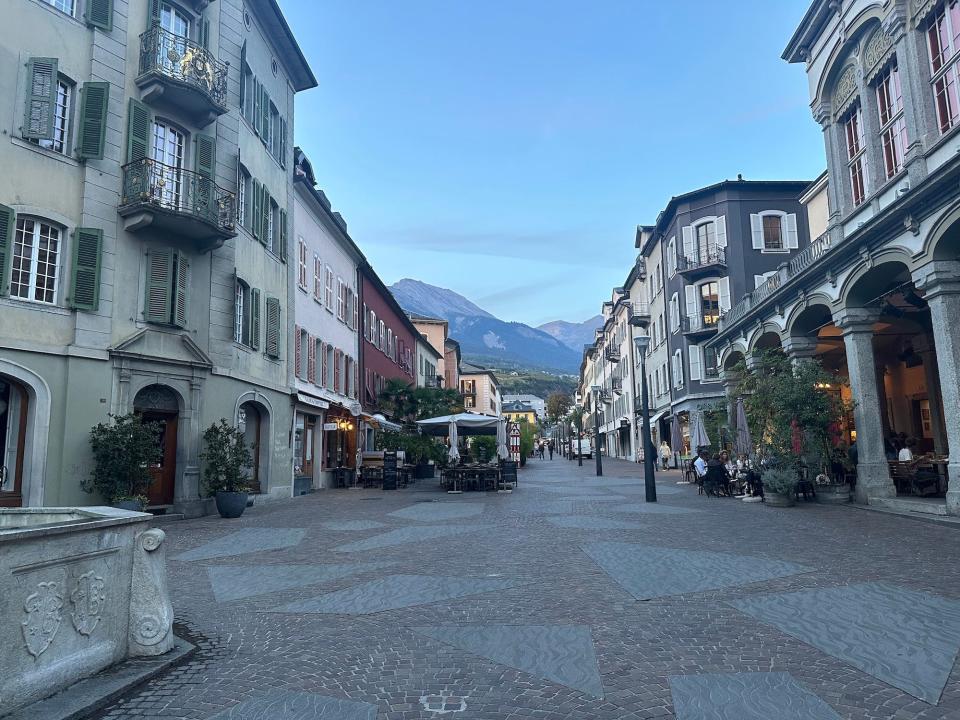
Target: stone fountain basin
(79, 591)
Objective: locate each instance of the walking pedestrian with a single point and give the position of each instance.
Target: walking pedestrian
(550, 447)
(665, 453)
(540, 449)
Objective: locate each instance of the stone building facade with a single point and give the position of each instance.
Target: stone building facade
(142, 239)
(876, 296)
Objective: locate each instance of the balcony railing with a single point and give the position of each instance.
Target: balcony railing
(174, 57)
(640, 313)
(616, 384)
(699, 323)
(770, 286)
(612, 354)
(713, 257)
(191, 197)
(809, 255)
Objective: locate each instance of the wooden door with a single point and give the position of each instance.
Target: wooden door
(164, 472)
(13, 438)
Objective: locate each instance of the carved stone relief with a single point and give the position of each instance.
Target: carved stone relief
(87, 599)
(43, 617)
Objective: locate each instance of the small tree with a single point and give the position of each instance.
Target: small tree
(226, 459)
(527, 439)
(123, 452)
(485, 447)
(558, 405)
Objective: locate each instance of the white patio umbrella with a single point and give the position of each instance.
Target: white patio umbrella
(503, 452)
(698, 433)
(454, 453)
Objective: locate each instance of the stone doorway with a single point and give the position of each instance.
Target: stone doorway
(14, 406)
(160, 404)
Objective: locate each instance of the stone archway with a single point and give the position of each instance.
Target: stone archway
(24, 426)
(254, 420)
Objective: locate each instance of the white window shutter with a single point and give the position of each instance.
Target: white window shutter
(672, 256)
(691, 293)
(724, 294)
(756, 228)
(793, 240)
(721, 226)
(689, 243)
(694, 355)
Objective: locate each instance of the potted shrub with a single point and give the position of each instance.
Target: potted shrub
(123, 451)
(779, 487)
(226, 459)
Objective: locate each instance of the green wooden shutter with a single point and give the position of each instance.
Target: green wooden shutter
(99, 14)
(159, 286)
(203, 33)
(255, 213)
(265, 220)
(272, 347)
(205, 155)
(255, 318)
(153, 17)
(257, 100)
(182, 282)
(7, 221)
(93, 120)
(87, 252)
(40, 106)
(283, 235)
(265, 120)
(139, 122)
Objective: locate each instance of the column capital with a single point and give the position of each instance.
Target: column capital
(938, 278)
(823, 114)
(856, 320)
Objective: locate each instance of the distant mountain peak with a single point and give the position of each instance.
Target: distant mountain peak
(482, 336)
(573, 335)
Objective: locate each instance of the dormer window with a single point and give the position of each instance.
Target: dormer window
(943, 40)
(856, 154)
(893, 127)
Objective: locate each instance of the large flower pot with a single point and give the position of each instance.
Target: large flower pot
(778, 499)
(833, 494)
(231, 504)
(134, 505)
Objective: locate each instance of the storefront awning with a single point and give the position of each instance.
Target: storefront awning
(379, 422)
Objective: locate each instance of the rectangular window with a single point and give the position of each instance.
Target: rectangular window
(64, 6)
(243, 186)
(709, 304)
(317, 278)
(711, 369)
(856, 155)
(302, 263)
(241, 318)
(772, 232)
(62, 108)
(706, 242)
(893, 126)
(942, 41)
(341, 300)
(328, 289)
(271, 225)
(36, 253)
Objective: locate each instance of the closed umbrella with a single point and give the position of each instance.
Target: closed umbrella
(698, 433)
(676, 435)
(744, 443)
(454, 453)
(503, 452)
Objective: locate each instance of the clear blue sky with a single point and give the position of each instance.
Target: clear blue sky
(507, 149)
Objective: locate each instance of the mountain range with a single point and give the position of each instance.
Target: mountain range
(573, 335)
(486, 339)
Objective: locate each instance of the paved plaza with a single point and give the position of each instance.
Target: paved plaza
(569, 599)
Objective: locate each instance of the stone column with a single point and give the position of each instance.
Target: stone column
(926, 350)
(873, 474)
(941, 284)
(799, 349)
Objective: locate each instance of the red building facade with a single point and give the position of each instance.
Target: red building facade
(388, 347)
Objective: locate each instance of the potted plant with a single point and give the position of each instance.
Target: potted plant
(226, 459)
(123, 452)
(779, 487)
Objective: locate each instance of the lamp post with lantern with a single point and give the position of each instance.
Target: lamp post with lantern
(641, 343)
(596, 428)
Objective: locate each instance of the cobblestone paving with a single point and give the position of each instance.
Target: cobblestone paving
(552, 635)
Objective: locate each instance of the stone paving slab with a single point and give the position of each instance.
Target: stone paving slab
(746, 696)
(546, 507)
(652, 509)
(596, 498)
(648, 571)
(393, 592)
(585, 522)
(349, 525)
(905, 638)
(235, 582)
(560, 654)
(433, 511)
(248, 540)
(402, 536)
(283, 705)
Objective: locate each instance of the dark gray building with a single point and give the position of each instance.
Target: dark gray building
(719, 243)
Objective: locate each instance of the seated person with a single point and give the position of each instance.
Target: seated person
(906, 454)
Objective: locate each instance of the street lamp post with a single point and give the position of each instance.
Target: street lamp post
(642, 343)
(596, 428)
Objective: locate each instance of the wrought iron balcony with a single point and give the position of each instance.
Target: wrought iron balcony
(640, 314)
(703, 263)
(178, 73)
(612, 354)
(616, 384)
(178, 201)
(699, 325)
(606, 396)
